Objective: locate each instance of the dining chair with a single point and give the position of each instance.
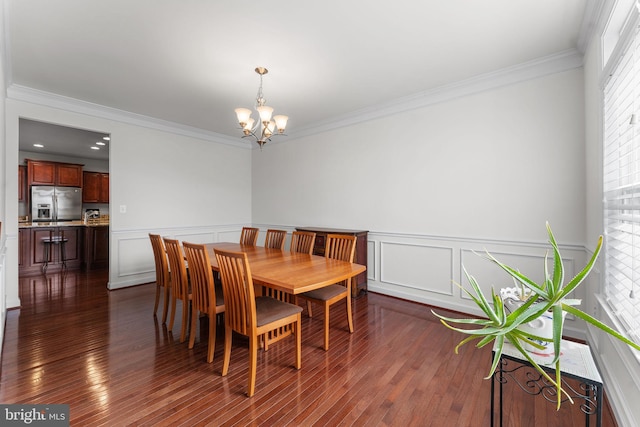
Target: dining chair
(302, 241)
(249, 236)
(249, 315)
(340, 247)
(206, 297)
(163, 285)
(275, 239)
(179, 284)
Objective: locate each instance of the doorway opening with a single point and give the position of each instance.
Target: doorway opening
(66, 227)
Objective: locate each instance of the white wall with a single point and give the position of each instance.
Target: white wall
(430, 185)
(170, 182)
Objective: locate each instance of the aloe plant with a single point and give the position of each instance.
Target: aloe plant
(550, 295)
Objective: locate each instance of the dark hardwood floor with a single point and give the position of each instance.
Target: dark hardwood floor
(106, 355)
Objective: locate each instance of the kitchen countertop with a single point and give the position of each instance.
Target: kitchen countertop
(63, 224)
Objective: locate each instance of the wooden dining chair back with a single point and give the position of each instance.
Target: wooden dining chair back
(206, 297)
(249, 236)
(275, 239)
(302, 241)
(179, 284)
(251, 316)
(163, 285)
(341, 247)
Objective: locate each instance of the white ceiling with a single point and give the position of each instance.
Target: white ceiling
(192, 62)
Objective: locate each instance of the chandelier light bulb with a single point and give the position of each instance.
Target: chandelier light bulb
(281, 122)
(265, 113)
(248, 127)
(243, 115)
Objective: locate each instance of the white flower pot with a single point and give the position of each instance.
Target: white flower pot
(542, 326)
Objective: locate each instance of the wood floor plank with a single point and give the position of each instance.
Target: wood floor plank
(104, 353)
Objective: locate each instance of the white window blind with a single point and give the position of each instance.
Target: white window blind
(621, 185)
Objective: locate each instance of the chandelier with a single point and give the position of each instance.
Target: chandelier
(266, 127)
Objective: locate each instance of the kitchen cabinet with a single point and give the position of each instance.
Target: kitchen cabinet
(360, 281)
(34, 252)
(24, 243)
(95, 187)
(22, 183)
(40, 172)
(96, 247)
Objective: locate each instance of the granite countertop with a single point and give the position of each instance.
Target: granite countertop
(91, 223)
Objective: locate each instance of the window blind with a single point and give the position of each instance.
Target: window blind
(621, 186)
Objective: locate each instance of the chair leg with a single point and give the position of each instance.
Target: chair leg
(228, 333)
(166, 304)
(298, 341)
(326, 326)
(173, 313)
(185, 319)
(253, 364)
(192, 335)
(309, 312)
(155, 306)
(349, 315)
(212, 337)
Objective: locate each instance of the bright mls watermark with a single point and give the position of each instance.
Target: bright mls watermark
(34, 415)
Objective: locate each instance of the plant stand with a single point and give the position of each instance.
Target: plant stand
(576, 362)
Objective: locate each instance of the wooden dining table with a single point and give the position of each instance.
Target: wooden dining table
(286, 271)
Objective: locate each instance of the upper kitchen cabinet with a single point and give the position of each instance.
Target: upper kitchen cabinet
(41, 172)
(96, 187)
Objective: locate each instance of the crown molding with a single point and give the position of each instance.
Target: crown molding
(48, 99)
(559, 62)
(590, 23)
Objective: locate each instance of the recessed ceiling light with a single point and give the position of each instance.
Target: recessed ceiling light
(95, 148)
(100, 143)
(106, 138)
(38, 145)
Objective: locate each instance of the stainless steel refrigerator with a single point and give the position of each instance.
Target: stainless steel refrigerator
(50, 203)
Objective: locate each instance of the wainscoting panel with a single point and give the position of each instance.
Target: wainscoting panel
(131, 250)
(371, 260)
(192, 237)
(133, 255)
(427, 269)
(418, 267)
(489, 275)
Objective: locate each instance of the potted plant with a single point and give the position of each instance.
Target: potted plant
(551, 297)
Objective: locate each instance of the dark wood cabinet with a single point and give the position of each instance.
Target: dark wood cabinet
(104, 188)
(96, 247)
(22, 183)
(24, 243)
(40, 172)
(360, 283)
(95, 187)
(69, 175)
(33, 252)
